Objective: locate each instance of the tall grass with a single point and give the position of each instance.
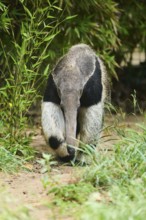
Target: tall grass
(120, 178)
(24, 66)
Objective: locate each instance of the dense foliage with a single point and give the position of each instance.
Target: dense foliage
(132, 29)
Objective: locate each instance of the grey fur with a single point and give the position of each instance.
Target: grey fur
(70, 76)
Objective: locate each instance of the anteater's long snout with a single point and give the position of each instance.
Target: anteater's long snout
(70, 107)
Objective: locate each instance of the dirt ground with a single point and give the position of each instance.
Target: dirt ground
(27, 188)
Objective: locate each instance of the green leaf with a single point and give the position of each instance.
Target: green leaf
(28, 12)
(71, 17)
(49, 38)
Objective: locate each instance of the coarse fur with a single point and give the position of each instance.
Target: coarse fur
(73, 103)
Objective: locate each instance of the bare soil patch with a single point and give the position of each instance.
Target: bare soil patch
(26, 188)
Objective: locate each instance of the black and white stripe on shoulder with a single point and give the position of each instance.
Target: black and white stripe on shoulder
(92, 92)
(51, 94)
